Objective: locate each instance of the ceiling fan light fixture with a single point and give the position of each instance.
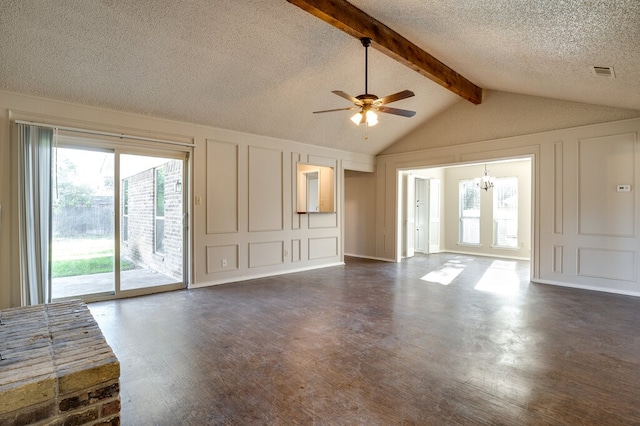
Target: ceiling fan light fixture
(369, 117)
(372, 118)
(357, 117)
(369, 104)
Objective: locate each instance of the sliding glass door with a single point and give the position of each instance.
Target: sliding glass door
(83, 244)
(118, 221)
(151, 223)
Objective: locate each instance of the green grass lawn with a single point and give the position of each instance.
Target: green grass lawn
(92, 265)
(84, 256)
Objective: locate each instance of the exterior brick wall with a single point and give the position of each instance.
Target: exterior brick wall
(140, 245)
(56, 368)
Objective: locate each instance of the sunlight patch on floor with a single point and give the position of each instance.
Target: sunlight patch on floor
(446, 273)
(501, 278)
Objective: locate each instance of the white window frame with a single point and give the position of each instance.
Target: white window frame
(462, 217)
(500, 221)
(156, 217)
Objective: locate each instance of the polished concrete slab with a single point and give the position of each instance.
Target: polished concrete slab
(65, 287)
(434, 340)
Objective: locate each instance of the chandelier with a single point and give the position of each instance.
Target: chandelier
(486, 182)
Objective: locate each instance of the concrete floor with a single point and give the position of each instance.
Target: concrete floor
(104, 283)
(433, 340)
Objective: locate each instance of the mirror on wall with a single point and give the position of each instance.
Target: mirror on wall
(315, 189)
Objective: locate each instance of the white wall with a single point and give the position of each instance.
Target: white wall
(518, 169)
(359, 214)
(246, 185)
(503, 115)
(586, 234)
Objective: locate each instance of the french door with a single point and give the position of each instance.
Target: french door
(119, 221)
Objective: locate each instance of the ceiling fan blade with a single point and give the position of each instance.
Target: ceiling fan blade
(347, 97)
(396, 111)
(337, 109)
(395, 97)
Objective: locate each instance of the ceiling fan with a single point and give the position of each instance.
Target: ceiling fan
(367, 103)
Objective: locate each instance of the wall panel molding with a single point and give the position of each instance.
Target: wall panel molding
(266, 189)
(558, 260)
(608, 264)
(558, 200)
(216, 254)
(295, 217)
(603, 163)
(323, 220)
(221, 187)
(266, 254)
(321, 248)
(296, 250)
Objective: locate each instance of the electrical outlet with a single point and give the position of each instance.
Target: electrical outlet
(224, 263)
(286, 253)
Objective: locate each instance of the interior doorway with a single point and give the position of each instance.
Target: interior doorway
(427, 215)
(118, 220)
(430, 218)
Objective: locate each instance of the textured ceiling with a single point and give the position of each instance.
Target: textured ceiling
(263, 66)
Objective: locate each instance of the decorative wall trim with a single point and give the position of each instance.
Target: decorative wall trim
(322, 248)
(619, 265)
(296, 250)
(221, 187)
(557, 262)
(266, 253)
(558, 200)
(266, 189)
(597, 196)
(215, 255)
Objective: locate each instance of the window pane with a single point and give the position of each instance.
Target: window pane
(159, 235)
(505, 212)
(125, 201)
(125, 210)
(154, 248)
(159, 192)
(469, 212)
(125, 228)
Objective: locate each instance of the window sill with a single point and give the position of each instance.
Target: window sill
(469, 244)
(505, 248)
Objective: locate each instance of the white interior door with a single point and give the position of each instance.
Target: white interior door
(434, 215)
(421, 218)
(410, 211)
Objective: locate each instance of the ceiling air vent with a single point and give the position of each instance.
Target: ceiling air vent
(604, 72)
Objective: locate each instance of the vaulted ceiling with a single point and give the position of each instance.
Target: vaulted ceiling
(263, 66)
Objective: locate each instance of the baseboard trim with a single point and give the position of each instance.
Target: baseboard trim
(265, 275)
(502, 256)
(586, 287)
(368, 257)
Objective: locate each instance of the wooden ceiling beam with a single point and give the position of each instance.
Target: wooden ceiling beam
(348, 18)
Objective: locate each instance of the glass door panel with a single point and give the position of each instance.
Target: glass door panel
(83, 223)
(151, 221)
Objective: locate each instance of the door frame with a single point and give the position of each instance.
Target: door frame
(118, 148)
(402, 177)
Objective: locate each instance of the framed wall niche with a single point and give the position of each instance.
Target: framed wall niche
(316, 189)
